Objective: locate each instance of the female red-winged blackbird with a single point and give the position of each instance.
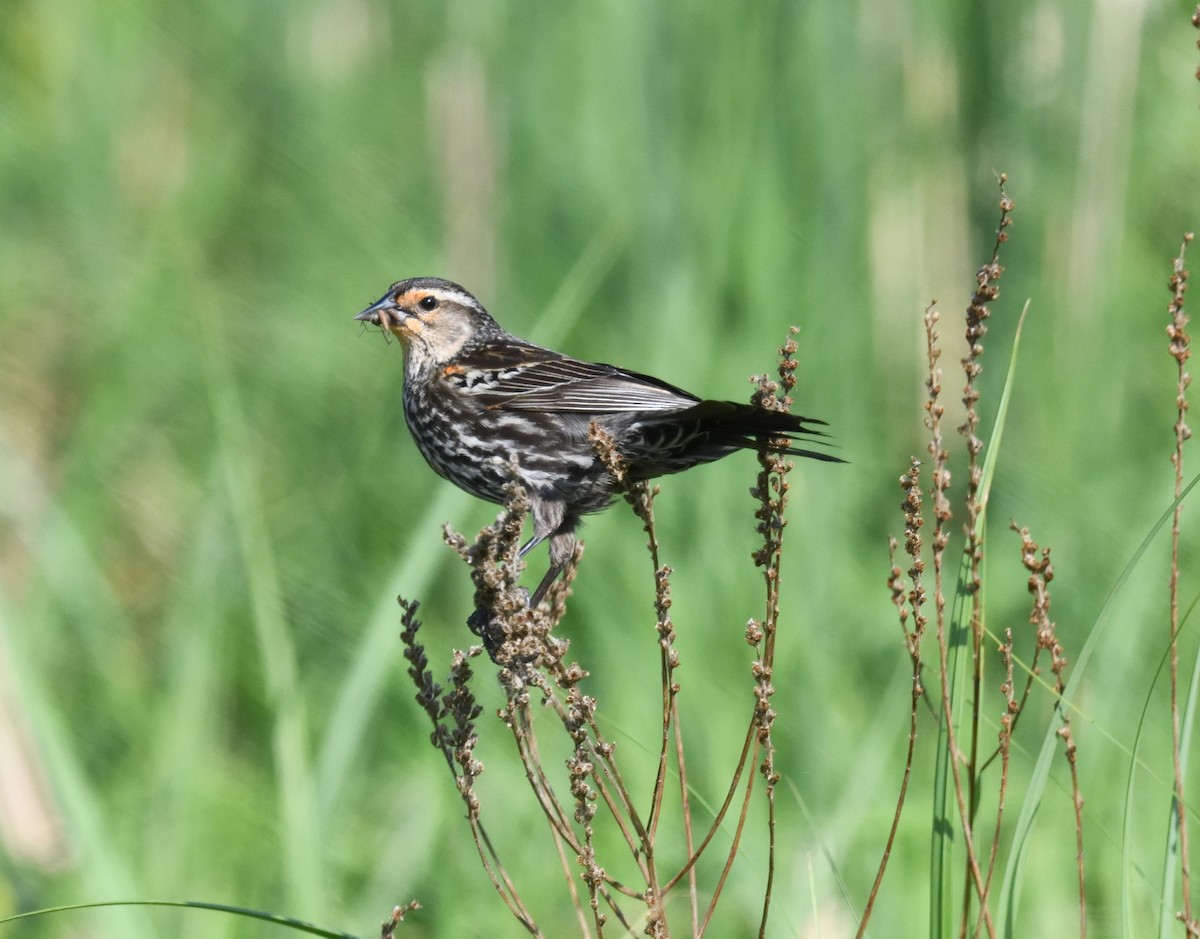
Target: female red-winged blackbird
(479, 402)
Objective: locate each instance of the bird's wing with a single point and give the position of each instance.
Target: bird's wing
(525, 377)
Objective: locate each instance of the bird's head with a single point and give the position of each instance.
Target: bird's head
(433, 319)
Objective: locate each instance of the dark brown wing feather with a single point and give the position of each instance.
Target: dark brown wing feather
(529, 378)
(519, 376)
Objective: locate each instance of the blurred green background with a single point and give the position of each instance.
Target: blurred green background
(209, 500)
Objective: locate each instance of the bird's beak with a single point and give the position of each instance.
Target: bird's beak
(382, 312)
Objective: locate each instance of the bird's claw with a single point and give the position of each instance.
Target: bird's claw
(489, 629)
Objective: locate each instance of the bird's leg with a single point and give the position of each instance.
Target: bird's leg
(545, 583)
(530, 545)
(550, 520)
(562, 549)
(550, 577)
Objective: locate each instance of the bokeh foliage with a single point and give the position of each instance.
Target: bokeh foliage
(210, 501)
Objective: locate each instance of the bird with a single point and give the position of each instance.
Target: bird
(484, 406)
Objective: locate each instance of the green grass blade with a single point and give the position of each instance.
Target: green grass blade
(992, 454)
(1010, 888)
(1171, 850)
(284, 921)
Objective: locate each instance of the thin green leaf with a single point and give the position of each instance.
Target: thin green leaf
(1171, 857)
(1010, 888)
(285, 921)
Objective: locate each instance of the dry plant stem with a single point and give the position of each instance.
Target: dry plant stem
(942, 514)
(518, 719)
(456, 744)
(749, 744)
(594, 876)
(568, 873)
(640, 497)
(940, 456)
(685, 805)
(772, 492)
(611, 789)
(1196, 23)
(914, 599)
(940, 477)
(387, 929)
(1004, 750)
(581, 769)
(1180, 349)
(577, 714)
(604, 773)
(1017, 708)
(618, 805)
(528, 656)
(669, 661)
(741, 825)
(967, 797)
(1041, 573)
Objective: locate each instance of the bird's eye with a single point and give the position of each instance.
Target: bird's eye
(428, 303)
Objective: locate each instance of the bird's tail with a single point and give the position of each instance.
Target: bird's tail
(728, 425)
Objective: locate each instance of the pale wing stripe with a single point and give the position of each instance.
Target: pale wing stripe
(577, 386)
(598, 399)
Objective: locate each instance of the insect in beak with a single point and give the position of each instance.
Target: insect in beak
(383, 313)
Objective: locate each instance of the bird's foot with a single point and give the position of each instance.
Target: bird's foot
(480, 623)
(490, 628)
